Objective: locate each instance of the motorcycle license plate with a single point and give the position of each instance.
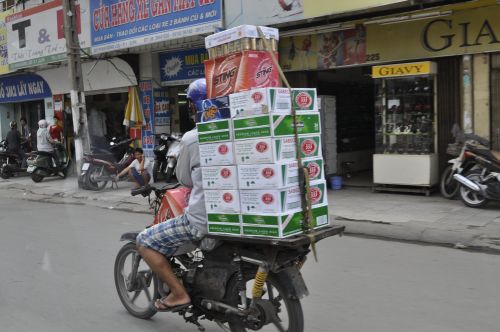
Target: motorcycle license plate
(30, 169)
(85, 166)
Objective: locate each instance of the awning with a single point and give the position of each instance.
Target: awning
(99, 76)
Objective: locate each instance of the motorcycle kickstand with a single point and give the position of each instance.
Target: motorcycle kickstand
(193, 320)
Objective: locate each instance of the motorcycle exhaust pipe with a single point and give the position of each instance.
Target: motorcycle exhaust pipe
(220, 307)
(466, 182)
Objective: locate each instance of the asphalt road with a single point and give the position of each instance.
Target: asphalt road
(56, 274)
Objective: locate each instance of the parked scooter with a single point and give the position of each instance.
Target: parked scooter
(100, 167)
(483, 184)
(465, 161)
(10, 163)
(43, 164)
(166, 154)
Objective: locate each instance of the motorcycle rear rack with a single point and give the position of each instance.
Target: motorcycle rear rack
(293, 241)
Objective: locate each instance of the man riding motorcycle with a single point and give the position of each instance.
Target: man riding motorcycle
(163, 239)
(13, 140)
(44, 141)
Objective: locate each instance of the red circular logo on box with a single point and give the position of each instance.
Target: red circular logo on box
(314, 170)
(261, 147)
(223, 149)
(267, 199)
(227, 197)
(268, 173)
(303, 100)
(308, 147)
(257, 97)
(225, 173)
(315, 195)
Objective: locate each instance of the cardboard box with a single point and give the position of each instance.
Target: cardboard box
(257, 126)
(213, 109)
(214, 131)
(280, 225)
(281, 201)
(305, 99)
(226, 229)
(315, 167)
(222, 201)
(220, 177)
(261, 101)
(240, 71)
(271, 150)
(217, 154)
(236, 33)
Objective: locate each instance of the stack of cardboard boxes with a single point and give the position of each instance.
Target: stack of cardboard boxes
(248, 157)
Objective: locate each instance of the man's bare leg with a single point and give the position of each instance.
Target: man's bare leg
(161, 266)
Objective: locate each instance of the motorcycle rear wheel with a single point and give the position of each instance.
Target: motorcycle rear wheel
(470, 198)
(91, 176)
(4, 173)
(448, 186)
(146, 282)
(275, 291)
(156, 170)
(36, 177)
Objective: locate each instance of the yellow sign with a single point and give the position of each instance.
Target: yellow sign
(314, 8)
(4, 64)
(404, 69)
(461, 32)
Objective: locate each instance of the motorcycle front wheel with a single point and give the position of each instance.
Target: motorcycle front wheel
(289, 310)
(135, 294)
(471, 198)
(4, 172)
(92, 176)
(37, 177)
(448, 186)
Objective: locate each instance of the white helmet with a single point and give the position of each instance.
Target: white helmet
(42, 123)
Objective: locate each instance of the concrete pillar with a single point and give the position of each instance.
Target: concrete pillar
(467, 94)
(481, 86)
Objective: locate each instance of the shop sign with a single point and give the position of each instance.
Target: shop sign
(263, 12)
(314, 8)
(162, 111)
(36, 35)
(148, 138)
(26, 87)
(323, 51)
(183, 67)
(117, 24)
(461, 32)
(404, 69)
(4, 61)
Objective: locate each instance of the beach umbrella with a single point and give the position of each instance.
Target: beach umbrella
(134, 115)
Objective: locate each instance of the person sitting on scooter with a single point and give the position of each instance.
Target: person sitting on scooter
(44, 142)
(163, 239)
(13, 140)
(139, 170)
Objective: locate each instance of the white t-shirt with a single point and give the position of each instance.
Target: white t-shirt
(148, 165)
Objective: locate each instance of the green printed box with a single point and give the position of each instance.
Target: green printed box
(252, 127)
(214, 131)
(282, 224)
(224, 218)
(315, 168)
(285, 147)
(305, 99)
(219, 228)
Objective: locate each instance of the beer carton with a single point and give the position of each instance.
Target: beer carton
(222, 201)
(277, 175)
(281, 225)
(214, 131)
(224, 223)
(261, 101)
(240, 71)
(256, 126)
(220, 177)
(271, 150)
(304, 99)
(213, 109)
(281, 201)
(239, 32)
(217, 154)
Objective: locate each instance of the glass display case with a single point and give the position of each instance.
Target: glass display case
(405, 127)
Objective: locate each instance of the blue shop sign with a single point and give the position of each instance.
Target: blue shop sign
(26, 87)
(118, 24)
(182, 67)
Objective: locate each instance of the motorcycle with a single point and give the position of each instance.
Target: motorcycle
(239, 283)
(481, 185)
(101, 166)
(10, 163)
(42, 164)
(464, 162)
(166, 154)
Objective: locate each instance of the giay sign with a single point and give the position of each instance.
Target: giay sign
(36, 35)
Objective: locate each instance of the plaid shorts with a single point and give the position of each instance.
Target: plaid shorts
(167, 236)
